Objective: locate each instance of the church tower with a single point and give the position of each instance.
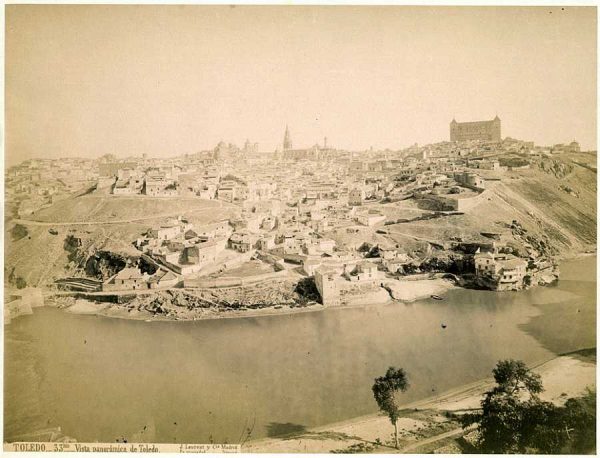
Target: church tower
(287, 139)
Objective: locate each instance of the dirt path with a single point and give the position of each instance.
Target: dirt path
(414, 237)
(30, 222)
(431, 440)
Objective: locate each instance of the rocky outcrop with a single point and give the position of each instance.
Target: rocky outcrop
(556, 168)
(85, 259)
(272, 294)
(104, 264)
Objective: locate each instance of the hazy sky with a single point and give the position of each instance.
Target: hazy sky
(167, 80)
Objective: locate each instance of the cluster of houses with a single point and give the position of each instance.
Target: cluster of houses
(505, 272)
(499, 271)
(38, 183)
(184, 248)
(289, 202)
(231, 174)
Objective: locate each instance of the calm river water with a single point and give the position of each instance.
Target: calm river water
(102, 379)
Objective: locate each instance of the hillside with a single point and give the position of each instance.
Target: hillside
(98, 208)
(111, 225)
(553, 201)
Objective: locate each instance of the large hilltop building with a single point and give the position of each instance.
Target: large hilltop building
(487, 131)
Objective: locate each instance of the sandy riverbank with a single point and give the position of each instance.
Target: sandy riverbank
(413, 290)
(424, 422)
(84, 307)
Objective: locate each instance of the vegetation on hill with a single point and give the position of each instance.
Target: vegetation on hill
(18, 232)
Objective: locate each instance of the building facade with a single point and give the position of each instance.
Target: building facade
(487, 131)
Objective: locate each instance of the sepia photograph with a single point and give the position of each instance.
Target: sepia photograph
(300, 228)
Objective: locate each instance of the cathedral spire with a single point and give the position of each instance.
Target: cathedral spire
(287, 139)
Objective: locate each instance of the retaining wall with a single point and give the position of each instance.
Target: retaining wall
(226, 282)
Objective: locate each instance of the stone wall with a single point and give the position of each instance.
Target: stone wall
(227, 282)
(450, 203)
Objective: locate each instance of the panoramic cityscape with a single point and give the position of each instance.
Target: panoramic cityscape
(291, 295)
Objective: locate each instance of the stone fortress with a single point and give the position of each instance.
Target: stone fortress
(488, 131)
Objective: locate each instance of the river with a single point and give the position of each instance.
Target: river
(103, 379)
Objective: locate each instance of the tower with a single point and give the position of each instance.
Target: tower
(287, 139)
(496, 134)
(453, 130)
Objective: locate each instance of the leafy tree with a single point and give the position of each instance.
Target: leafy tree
(543, 427)
(513, 377)
(502, 414)
(385, 390)
(21, 283)
(580, 419)
(18, 232)
(513, 419)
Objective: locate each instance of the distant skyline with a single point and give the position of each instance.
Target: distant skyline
(88, 80)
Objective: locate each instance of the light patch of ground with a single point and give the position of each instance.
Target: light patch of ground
(372, 297)
(409, 291)
(250, 268)
(83, 307)
(338, 436)
(566, 375)
(98, 208)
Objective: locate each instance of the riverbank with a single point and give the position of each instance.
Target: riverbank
(405, 290)
(402, 292)
(306, 391)
(428, 425)
(121, 312)
(414, 290)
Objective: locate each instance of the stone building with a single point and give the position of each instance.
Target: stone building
(487, 131)
(327, 285)
(500, 272)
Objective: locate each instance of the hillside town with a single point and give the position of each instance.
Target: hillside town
(335, 218)
(300, 228)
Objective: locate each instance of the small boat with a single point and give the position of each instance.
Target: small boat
(437, 298)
